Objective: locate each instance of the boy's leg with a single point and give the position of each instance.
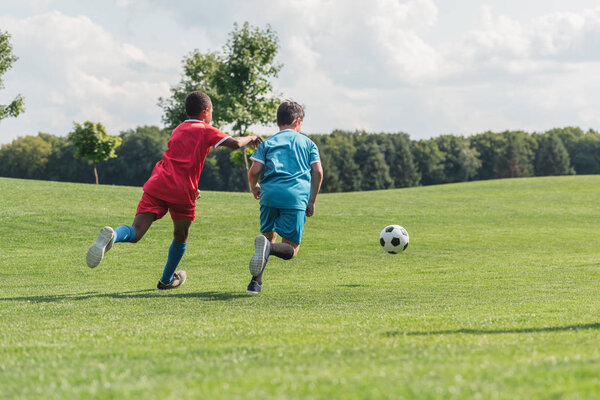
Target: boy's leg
(270, 235)
(149, 209)
(262, 247)
(124, 233)
(141, 224)
(258, 262)
(181, 230)
(135, 232)
(285, 250)
(171, 279)
(290, 225)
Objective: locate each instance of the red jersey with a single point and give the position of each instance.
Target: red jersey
(175, 177)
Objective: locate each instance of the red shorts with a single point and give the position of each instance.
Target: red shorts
(151, 204)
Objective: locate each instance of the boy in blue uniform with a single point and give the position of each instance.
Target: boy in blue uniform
(287, 192)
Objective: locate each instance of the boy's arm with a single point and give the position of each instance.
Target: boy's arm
(240, 141)
(253, 176)
(316, 172)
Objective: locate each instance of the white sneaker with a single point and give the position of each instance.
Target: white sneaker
(102, 244)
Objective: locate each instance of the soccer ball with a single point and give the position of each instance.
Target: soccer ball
(393, 239)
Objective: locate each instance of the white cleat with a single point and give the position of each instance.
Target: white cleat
(102, 244)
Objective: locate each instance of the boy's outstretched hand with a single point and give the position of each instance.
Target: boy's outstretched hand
(256, 140)
(240, 141)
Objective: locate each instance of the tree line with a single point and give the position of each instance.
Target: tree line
(352, 161)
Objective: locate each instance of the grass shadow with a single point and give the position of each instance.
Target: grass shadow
(468, 331)
(137, 294)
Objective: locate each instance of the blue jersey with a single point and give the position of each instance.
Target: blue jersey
(287, 157)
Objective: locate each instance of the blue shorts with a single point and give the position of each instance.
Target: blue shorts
(288, 223)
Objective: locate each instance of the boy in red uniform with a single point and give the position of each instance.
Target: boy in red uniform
(173, 187)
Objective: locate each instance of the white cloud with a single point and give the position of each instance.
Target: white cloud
(71, 66)
(368, 44)
(373, 68)
(31, 4)
(573, 36)
(395, 28)
(304, 81)
(549, 43)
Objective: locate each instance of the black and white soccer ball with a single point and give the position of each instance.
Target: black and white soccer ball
(393, 239)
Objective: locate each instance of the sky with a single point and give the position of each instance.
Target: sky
(424, 67)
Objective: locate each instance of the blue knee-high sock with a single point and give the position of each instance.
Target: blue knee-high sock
(124, 233)
(176, 251)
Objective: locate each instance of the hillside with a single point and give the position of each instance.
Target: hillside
(496, 296)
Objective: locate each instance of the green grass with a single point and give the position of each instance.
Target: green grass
(497, 296)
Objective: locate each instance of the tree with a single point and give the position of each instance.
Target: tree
(488, 145)
(552, 157)
(91, 142)
(244, 89)
(199, 73)
(582, 148)
(461, 162)
(331, 180)
(376, 173)
(141, 148)
(515, 156)
(337, 153)
(585, 157)
(429, 161)
(25, 157)
(232, 174)
(568, 135)
(63, 166)
(210, 178)
(468, 158)
(399, 158)
(237, 80)
(15, 107)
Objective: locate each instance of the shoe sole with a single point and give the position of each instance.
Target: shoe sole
(102, 244)
(250, 291)
(257, 261)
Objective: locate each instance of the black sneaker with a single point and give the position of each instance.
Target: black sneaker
(178, 280)
(258, 262)
(254, 287)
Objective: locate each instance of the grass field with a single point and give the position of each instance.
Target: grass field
(497, 296)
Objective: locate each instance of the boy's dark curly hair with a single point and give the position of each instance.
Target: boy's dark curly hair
(196, 102)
